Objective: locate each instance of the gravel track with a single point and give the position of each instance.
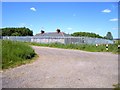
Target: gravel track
(64, 68)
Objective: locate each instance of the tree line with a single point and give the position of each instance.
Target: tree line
(93, 35)
(22, 31)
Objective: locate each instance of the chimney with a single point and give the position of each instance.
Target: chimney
(58, 30)
(42, 32)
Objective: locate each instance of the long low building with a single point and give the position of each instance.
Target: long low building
(63, 40)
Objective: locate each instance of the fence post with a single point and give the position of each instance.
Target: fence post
(106, 47)
(96, 45)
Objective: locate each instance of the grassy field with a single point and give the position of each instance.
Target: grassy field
(15, 53)
(92, 48)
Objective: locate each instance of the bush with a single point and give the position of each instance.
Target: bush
(117, 86)
(15, 53)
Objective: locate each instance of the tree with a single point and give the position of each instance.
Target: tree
(86, 34)
(22, 31)
(109, 36)
(15, 34)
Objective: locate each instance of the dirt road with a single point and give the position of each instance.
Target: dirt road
(61, 68)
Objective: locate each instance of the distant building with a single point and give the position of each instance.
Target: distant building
(58, 33)
(50, 37)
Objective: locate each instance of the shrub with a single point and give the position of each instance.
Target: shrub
(15, 53)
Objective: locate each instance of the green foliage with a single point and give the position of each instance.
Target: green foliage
(87, 47)
(23, 31)
(15, 53)
(86, 34)
(0, 54)
(109, 36)
(15, 34)
(117, 86)
(117, 41)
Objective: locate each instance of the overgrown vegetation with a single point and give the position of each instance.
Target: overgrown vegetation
(87, 47)
(93, 35)
(23, 31)
(0, 54)
(117, 41)
(117, 86)
(15, 53)
(86, 34)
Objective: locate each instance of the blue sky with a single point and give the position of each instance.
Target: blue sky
(97, 17)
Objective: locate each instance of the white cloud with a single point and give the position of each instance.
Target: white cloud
(106, 11)
(115, 28)
(33, 9)
(114, 19)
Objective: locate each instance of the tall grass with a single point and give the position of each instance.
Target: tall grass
(117, 86)
(0, 54)
(86, 47)
(15, 53)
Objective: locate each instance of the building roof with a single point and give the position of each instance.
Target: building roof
(53, 34)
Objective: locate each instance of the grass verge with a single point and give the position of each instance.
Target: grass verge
(116, 86)
(86, 47)
(0, 54)
(16, 53)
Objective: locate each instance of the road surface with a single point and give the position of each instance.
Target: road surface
(64, 68)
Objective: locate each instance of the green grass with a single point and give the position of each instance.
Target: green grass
(116, 86)
(0, 54)
(15, 53)
(86, 47)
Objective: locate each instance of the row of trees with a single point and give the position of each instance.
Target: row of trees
(23, 31)
(93, 35)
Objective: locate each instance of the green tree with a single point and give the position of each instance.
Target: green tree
(86, 34)
(109, 36)
(15, 34)
(22, 31)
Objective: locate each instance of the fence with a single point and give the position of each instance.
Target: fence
(63, 40)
